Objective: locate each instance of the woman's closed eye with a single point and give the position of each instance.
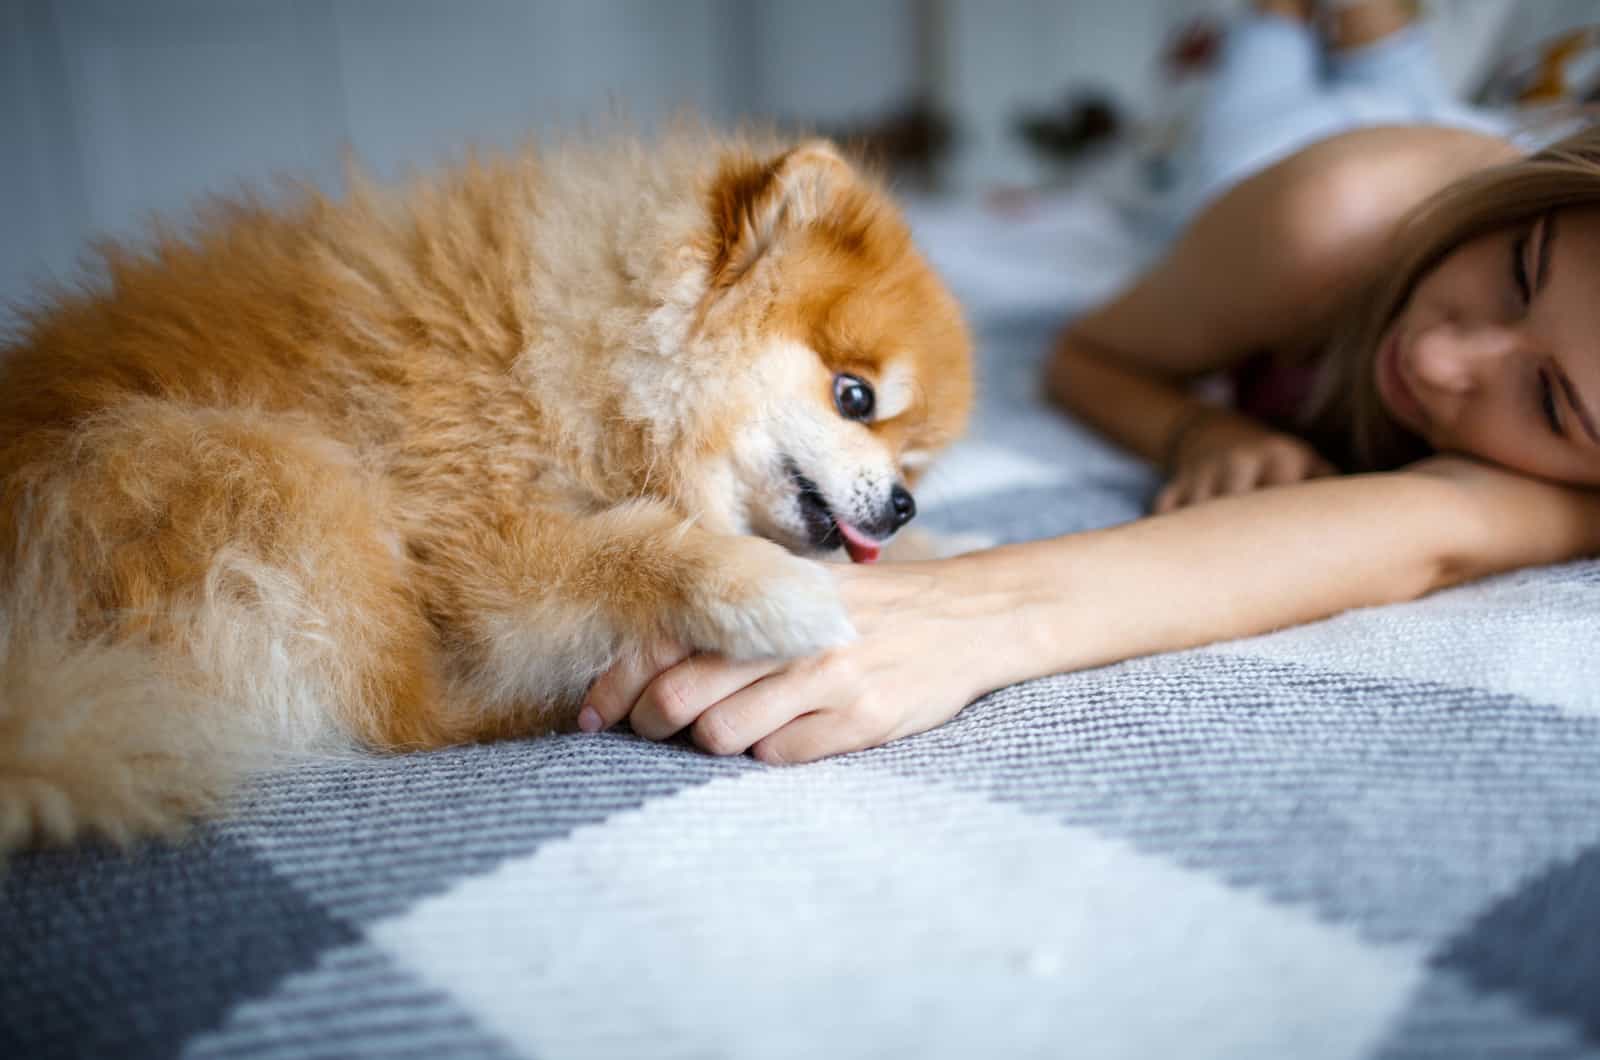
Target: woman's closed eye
(1548, 405)
(1530, 258)
(1519, 265)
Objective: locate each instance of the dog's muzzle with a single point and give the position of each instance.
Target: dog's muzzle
(898, 510)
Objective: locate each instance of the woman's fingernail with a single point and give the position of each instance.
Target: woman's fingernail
(589, 720)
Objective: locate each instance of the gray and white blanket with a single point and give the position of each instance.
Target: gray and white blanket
(1376, 836)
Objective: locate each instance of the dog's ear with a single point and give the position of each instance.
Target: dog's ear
(753, 206)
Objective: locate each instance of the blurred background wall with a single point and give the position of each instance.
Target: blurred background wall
(112, 109)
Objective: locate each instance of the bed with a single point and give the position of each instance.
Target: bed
(1375, 836)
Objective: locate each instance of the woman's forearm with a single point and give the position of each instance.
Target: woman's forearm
(1260, 561)
(1132, 408)
(1146, 413)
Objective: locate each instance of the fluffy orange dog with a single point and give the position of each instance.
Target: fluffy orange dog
(411, 469)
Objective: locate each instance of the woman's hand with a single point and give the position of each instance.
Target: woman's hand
(930, 640)
(1224, 454)
(933, 636)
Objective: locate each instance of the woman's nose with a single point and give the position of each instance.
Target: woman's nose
(1457, 358)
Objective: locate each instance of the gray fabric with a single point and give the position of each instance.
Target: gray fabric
(1377, 836)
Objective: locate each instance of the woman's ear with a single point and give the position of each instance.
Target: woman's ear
(754, 207)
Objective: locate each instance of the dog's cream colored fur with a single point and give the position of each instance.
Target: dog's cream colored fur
(413, 468)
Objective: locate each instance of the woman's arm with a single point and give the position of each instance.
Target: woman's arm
(1261, 561)
(934, 636)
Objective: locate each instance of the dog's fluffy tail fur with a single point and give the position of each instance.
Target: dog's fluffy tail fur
(120, 737)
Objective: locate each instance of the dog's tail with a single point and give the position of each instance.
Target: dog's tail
(131, 734)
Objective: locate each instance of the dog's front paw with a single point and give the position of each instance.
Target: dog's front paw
(757, 600)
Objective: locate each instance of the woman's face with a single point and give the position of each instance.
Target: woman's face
(1497, 352)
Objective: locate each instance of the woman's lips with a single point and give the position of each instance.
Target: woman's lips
(1396, 393)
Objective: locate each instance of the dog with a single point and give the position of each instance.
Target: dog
(411, 467)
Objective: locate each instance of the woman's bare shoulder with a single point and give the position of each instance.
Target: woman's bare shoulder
(1273, 255)
(1332, 208)
(1436, 153)
(1366, 180)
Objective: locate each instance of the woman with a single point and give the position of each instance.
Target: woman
(1421, 290)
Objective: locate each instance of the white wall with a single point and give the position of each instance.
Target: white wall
(111, 109)
(829, 60)
(417, 81)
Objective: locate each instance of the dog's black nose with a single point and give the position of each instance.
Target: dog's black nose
(903, 505)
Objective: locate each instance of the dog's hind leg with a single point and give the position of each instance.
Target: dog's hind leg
(191, 594)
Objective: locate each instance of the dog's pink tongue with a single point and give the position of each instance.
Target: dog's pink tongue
(862, 548)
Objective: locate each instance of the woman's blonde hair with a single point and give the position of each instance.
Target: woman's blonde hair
(1346, 417)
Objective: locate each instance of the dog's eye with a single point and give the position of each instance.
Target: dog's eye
(853, 397)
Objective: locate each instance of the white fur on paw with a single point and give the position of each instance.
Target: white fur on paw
(767, 602)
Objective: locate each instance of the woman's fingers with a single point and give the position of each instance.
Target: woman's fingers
(1167, 499)
(1207, 482)
(1296, 465)
(1190, 486)
(1241, 471)
(805, 739)
(675, 698)
(753, 712)
(1241, 474)
(1283, 469)
(815, 735)
(613, 695)
(664, 689)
